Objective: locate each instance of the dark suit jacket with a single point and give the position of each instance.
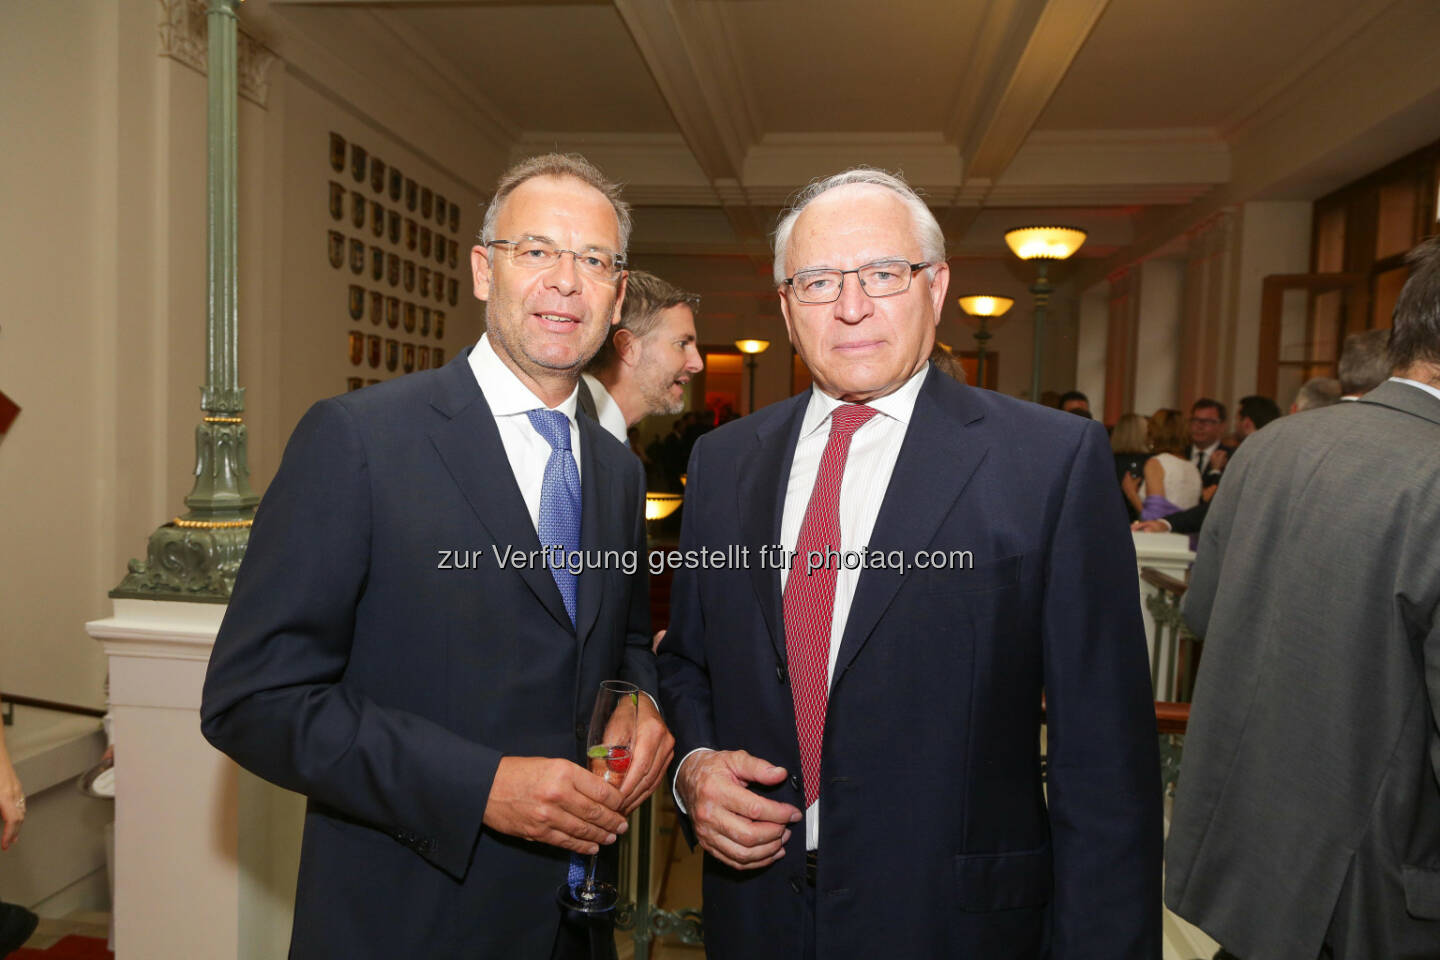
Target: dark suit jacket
(1308, 807)
(360, 665)
(1209, 476)
(936, 839)
(1188, 521)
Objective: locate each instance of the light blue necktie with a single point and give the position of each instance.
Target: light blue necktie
(560, 526)
(559, 499)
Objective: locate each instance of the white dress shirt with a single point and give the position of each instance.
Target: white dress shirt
(509, 401)
(1208, 452)
(607, 411)
(528, 452)
(873, 451)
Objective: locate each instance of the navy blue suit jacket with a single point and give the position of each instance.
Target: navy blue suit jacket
(936, 838)
(358, 666)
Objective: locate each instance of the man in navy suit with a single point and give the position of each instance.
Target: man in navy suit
(859, 723)
(402, 649)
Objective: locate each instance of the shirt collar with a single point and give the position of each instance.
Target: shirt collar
(607, 411)
(1433, 391)
(505, 393)
(898, 405)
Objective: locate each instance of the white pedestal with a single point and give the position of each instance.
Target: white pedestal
(205, 854)
(1169, 553)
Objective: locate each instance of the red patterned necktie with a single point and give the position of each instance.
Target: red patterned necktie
(810, 597)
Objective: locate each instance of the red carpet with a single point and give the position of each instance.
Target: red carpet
(67, 948)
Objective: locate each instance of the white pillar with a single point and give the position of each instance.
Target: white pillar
(1157, 343)
(1092, 332)
(204, 852)
(1274, 239)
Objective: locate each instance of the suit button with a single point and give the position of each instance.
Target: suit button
(796, 884)
(794, 782)
(580, 732)
(780, 672)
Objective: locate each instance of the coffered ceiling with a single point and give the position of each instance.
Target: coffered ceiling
(1114, 115)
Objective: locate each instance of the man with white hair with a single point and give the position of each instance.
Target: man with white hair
(858, 706)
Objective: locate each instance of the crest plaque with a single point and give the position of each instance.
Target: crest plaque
(337, 152)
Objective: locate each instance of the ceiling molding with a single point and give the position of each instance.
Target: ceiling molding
(655, 168)
(686, 47)
(1090, 195)
(1310, 123)
(1270, 98)
(407, 100)
(998, 46)
(440, 75)
(659, 246)
(1060, 31)
(1113, 167)
(782, 163)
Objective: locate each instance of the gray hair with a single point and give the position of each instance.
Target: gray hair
(1364, 361)
(927, 228)
(1415, 334)
(571, 165)
(1317, 392)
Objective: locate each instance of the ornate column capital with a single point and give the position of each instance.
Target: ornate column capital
(184, 36)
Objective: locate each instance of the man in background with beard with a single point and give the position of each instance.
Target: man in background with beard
(648, 358)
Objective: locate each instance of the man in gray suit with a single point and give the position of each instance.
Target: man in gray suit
(1307, 820)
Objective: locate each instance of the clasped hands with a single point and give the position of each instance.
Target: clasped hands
(732, 823)
(554, 801)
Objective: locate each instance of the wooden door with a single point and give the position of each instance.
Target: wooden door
(1304, 320)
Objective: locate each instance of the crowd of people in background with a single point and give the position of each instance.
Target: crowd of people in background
(1168, 466)
(665, 458)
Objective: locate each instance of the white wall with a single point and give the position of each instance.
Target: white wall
(57, 336)
(314, 321)
(104, 179)
(1092, 329)
(1274, 239)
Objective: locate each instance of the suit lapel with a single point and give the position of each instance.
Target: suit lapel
(596, 524)
(470, 446)
(936, 461)
(764, 473)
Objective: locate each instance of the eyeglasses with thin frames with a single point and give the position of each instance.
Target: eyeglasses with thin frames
(882, 278)
(538, 253)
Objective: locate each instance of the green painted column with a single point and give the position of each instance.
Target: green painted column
(196, 556)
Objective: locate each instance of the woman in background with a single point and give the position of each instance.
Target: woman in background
(16, 923)
(1131, 448)
(1170, 482)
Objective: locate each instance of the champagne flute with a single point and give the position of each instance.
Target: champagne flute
(608, 749)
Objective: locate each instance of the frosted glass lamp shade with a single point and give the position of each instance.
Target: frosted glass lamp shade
(1045, 243)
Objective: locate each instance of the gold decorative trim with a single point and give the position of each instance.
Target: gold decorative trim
(211, 524)
(224, 419)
